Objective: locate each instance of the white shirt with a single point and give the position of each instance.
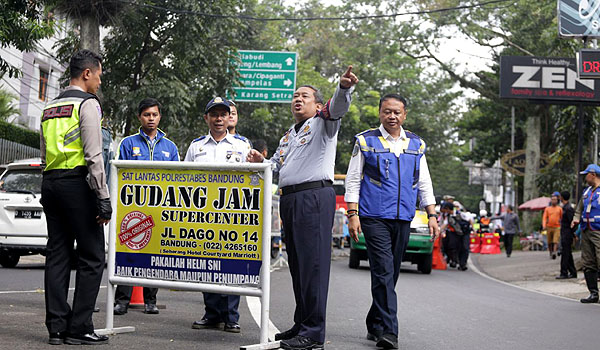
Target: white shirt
(229, 150)
(357, 162)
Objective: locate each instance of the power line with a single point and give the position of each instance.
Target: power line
(298, 19)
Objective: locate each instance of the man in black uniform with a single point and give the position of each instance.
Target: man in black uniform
(76, 202)
(567, 265)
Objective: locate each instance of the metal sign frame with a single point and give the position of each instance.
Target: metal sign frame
(580, 25)
(262, 290)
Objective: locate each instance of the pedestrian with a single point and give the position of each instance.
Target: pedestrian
(567, 265)
(387, 172)
(452, 233)
(76, 202)
(149, 144)
(221, 310)
(551, 223)
(511, 226)
(305, 161)
(233, 121)
(588, 209)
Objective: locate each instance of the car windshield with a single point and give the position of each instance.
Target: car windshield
(22, 180)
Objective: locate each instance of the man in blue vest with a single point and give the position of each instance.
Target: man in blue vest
(387, 172)
(587, 216)
(150, 143)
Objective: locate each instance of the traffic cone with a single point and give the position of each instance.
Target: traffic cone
(438, 262)
(137, 298)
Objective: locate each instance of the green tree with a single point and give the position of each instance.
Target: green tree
(6, 107)
(22, 25)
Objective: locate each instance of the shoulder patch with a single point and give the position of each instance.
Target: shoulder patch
(240, 137)
(199, 138)
(370, 132)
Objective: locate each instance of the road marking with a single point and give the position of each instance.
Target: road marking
(476, 270)
(41, 291)
(254, 306)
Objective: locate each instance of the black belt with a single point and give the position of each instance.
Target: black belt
(304, 186)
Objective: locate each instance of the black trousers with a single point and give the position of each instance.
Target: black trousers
(307, 218)
(386, 242)
(221, 307)
(123, 295)
(70, 208)
(508, 243)
(567, 265)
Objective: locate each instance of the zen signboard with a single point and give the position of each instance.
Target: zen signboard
(545, 79)
(579, 18)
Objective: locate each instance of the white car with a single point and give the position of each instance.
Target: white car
(23, 228)
(22, 220)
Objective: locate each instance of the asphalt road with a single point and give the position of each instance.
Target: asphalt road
(444, 310)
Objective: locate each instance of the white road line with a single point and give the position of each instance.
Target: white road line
(254, 306)
(476, 270)
(41, 291)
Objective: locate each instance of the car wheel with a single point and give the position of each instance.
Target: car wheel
(9, 260)
(354, 260)
(424, 264)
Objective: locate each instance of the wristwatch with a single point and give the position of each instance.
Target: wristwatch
(429, 216)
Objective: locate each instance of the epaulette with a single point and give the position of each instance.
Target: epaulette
(370, 132)
(240, 137)
(199, 138)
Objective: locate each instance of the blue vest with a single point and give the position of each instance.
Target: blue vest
(388, 189)
(590, 215)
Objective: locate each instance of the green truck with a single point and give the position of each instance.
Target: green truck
(419, 250)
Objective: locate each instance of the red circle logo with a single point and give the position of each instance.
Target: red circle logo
(136, 230)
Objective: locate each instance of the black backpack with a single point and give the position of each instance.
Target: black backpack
(465, 227)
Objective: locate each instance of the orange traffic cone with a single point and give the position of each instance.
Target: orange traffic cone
(438, 262)
(137, 297)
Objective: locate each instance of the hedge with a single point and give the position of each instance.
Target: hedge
(20, 135)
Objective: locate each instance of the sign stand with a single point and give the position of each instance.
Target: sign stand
(262, 290)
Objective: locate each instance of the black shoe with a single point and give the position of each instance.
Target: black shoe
(207, 324)
(452, 264)
(289, 334)
(561, 277)
(120, 309)
(86, 339)
(508, 255)
(150, 309)
(374, 335)
(232, 328)
(300, 342)
(463, 268)
(591, 280)
(591, 299)
(388, 341)
(57, 338)
(572, 276)
(553, 256)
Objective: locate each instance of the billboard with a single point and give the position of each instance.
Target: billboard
(579, 18)
(545, 79)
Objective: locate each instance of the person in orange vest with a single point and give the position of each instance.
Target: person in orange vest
(551, 223)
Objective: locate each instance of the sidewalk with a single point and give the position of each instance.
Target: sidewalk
(532, 270)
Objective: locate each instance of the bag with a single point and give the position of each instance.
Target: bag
(465, 227)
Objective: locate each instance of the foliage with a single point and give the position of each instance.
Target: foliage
(22, 25)
(6, 107)
(20, 135)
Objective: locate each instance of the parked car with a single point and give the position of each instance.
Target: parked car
(22, 220)
(419, 250)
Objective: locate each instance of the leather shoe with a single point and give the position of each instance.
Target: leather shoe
(374, 335)
(86, 339)
(572, 276)
(300, 342)
(561, 277)
(591, 299)
(120, 309)
(388, 341)
(289, 334)
(150, 309)
(57, 338)
(232, 328)
(207, 324)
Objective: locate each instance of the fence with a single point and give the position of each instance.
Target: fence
(11, 151)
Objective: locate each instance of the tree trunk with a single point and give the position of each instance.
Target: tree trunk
(532, 167)
(90, 32)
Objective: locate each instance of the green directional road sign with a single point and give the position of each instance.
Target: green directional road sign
(266, 76)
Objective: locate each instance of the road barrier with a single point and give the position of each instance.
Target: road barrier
(191, 226)
(475, 245)
(490, 243)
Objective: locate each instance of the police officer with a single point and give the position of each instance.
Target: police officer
(76, 202)
(233, 120)
(586, 215)
(305, 161)
(221, 310)
(150, 143)
(387, 172)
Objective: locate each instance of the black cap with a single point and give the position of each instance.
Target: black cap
(217, 101)
(448, 205)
